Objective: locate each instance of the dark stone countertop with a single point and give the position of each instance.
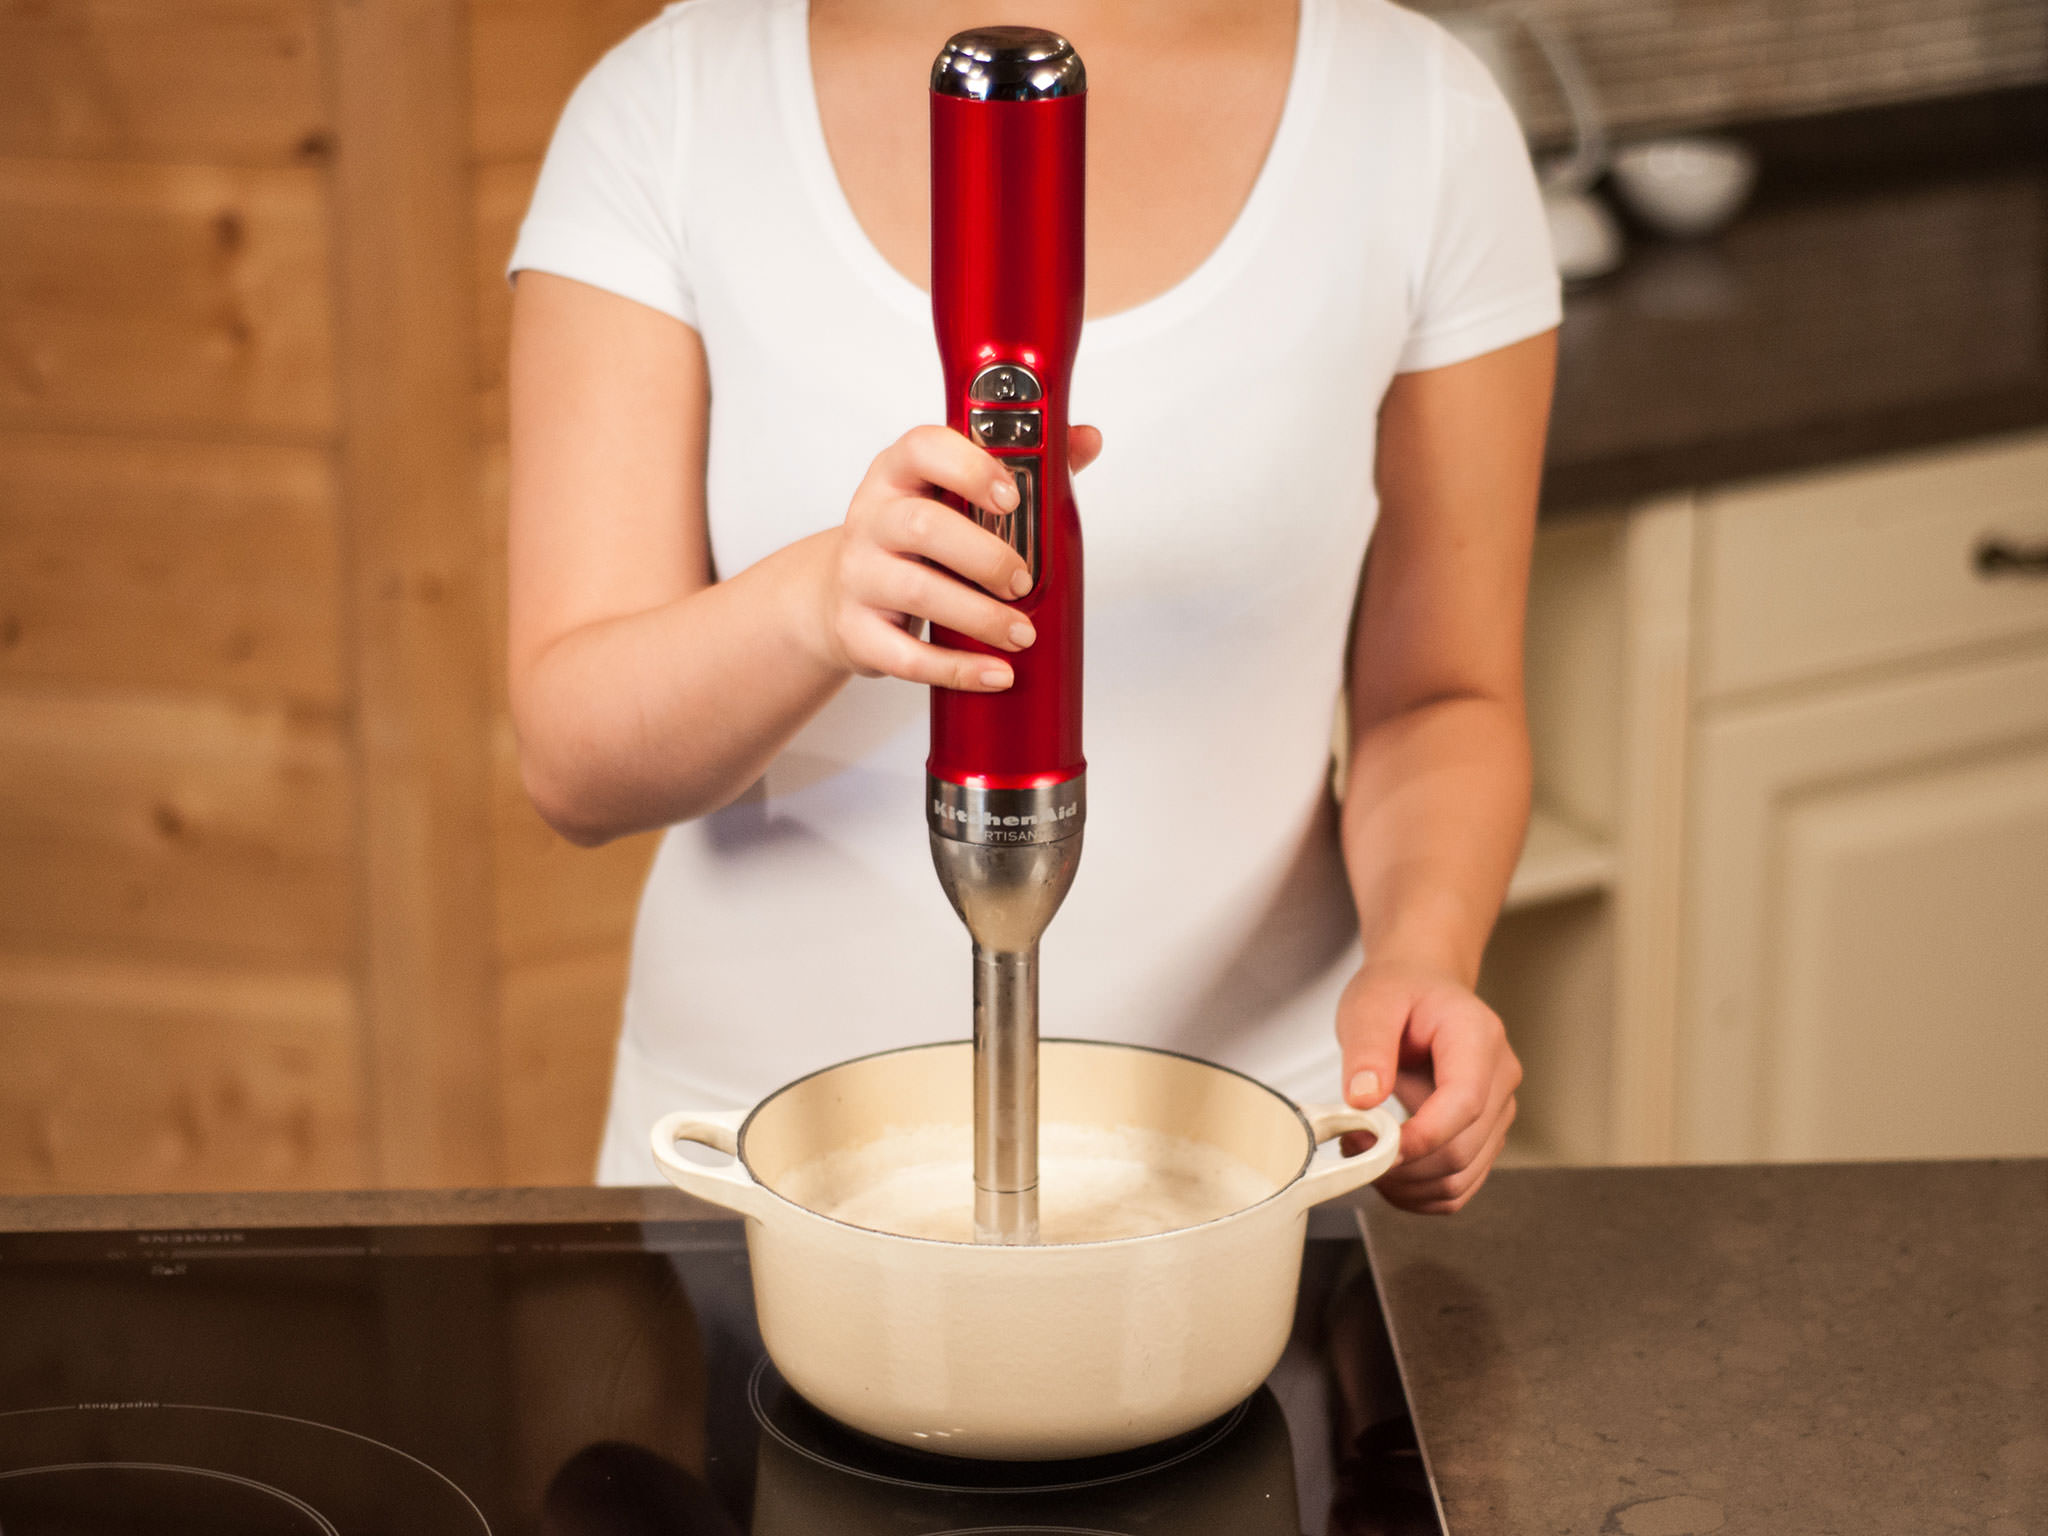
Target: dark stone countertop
(1887, 289)
(348, 1208)
(1854, 1348)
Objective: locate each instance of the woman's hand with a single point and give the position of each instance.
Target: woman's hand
(1425, 1037)
(644, 691)
(904, 557)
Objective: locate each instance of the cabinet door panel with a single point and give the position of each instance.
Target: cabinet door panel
(1912, 995)
(1867, 900)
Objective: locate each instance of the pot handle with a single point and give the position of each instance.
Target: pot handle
(726, 1184)
(1329, 1177)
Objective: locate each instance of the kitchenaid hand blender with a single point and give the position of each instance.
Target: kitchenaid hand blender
(1007, 785)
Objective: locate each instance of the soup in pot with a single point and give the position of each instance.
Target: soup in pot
(1095, 1183)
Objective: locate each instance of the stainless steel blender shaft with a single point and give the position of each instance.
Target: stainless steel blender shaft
(1006, 858)
(1005, 1096)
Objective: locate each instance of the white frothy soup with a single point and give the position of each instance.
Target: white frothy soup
(1095, 1183)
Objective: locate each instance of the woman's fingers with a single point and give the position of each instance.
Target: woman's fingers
(1084, 446)
(879, 648)
(897, 511)
(934, 456)
(937, 458)
(913, 525)
(896, 585)
(907, 557)
(1467, 1145)
(1441, 1196)
(1462, 1152)
(1464, 1051)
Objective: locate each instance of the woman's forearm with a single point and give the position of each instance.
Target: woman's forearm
(1437, 793)
(655, 717)
(1436, 804)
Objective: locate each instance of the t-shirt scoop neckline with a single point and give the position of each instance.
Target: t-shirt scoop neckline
(796, 85)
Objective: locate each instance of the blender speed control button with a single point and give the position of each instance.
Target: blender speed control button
(1005, 383)
(1004, 429)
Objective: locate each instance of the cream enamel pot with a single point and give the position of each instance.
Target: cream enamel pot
(1025, 1353)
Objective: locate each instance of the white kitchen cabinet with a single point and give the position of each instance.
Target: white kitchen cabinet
(1867, 905)
(1810, 736)
(1812, 577)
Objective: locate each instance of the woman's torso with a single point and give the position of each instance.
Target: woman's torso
(1225, 527)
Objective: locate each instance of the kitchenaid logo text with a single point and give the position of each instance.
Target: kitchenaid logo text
(982, 821)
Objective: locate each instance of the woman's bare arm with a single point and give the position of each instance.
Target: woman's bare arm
(1437, 794)
(644, 692)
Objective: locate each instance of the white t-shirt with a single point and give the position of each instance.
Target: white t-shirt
(1395, 226)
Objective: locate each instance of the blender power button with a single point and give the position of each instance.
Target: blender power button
(1005, 384)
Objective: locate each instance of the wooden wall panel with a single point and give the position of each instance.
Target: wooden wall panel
(226, 81)
(559, 1022)
(187, 565)
(494, 466)
(502, 193)
(494, 476)
(147, 297)
(154, 827)
(422, 657)
(128, 1077)
(272, 903)
(528, 56)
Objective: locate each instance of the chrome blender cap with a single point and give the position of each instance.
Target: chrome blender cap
(1008, 64)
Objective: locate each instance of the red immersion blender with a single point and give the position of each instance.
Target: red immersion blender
(1007, 783)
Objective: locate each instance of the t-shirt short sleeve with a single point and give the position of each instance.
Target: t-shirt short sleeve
(607, 210)
(1486, 277)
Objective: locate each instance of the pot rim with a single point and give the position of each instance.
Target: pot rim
(1308, 1136)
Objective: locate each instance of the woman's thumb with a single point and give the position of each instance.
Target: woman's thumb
(1084, 445)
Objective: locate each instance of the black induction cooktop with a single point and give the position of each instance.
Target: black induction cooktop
(585, 1380)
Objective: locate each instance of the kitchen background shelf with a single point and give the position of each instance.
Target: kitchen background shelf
(1558, 862)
